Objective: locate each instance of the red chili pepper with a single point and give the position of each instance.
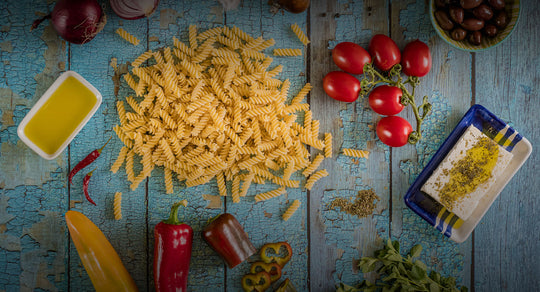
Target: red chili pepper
(172, 252)
(227, 237)
(86, 181)
(273, 253)
(87, 160)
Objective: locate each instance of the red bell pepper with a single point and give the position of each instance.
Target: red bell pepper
(227, 237)
(172, 252)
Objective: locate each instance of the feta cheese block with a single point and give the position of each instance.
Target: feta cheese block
(467, 172)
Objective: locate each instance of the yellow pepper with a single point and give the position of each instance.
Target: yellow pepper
(98, 256)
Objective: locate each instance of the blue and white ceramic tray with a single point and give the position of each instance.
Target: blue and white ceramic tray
(432, 211)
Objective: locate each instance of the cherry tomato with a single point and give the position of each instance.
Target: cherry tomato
(384, 51)
(350, 57)
(416, 59)
(394, 131)
(386, 100)
(341, 86)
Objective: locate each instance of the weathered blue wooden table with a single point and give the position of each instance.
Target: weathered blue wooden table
(35, 249)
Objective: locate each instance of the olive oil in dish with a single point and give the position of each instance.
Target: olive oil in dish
(59, 115)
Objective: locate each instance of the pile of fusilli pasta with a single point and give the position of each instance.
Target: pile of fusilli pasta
(214, 109)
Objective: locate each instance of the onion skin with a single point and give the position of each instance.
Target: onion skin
(78, 22)
(134, 9)
(294, 6)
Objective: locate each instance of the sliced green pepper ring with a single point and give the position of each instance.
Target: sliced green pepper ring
(256, 282)
(286, 286)
(273, 269)
(279, 252)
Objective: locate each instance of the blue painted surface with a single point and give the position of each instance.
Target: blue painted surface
(35, 250)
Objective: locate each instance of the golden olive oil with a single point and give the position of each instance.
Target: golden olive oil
(60, 115)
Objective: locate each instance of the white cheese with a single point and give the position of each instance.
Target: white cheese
(467, 203)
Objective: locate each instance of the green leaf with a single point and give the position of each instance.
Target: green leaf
(420, 264)
(346, 288)
(435, 276)
(396, 245)
(394, 257)
(415, 251)
(368, 264)
(417, 273)
(433, 287)
(389, 245)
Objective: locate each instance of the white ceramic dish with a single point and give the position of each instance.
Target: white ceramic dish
(434, 213)
(44, 98)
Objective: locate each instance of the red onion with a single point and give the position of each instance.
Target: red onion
(76, 21)
(134, 9)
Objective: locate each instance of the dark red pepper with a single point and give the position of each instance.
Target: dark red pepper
(227, 237)
(86, 181)
(87, 160)
(172, 252)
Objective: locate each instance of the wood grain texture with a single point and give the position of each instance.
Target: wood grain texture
(338, 240)
(127, 236)
(448, 87)
(33, 192)
(505, 243)
(35, 250)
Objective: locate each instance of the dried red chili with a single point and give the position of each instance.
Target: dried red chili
(87, 160)
(86, 181)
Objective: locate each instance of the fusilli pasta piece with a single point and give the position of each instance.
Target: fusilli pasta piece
(287, 52)
(355, 153)
(117, 206)
(315, 177)
(291, 210)
(300, 34)
(127, 36)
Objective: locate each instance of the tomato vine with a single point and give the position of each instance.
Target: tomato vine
(372, 78)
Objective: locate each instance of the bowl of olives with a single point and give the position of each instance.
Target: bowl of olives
(474, 25)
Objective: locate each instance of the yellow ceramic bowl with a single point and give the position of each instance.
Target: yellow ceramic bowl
(513, 10)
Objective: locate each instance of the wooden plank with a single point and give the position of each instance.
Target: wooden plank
(448, 89)
(338, 240)
(262, 220)
(33, 193)
(206, 270)
(129, 235)
(505, 244)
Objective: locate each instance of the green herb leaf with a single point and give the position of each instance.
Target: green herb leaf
(415, 251)
(368, 264)
(398, 273)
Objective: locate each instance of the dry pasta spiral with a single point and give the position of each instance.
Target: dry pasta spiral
(270, 194)
(117, 206)
(287, 52)
(327, 145)
(300, 34)
(315, 177)
(291, 210)
(355, 153)
(127, 36)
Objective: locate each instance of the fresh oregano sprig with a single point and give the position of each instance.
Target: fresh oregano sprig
(372, 78)
(398, 273)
